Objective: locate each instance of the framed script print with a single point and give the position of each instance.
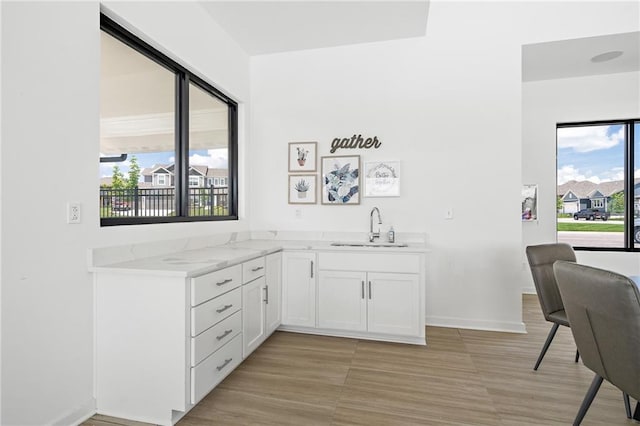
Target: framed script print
(382, 179)
(303, 157)
(341, 180)
(302, 189)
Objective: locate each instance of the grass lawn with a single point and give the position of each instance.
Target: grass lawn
(594, 227)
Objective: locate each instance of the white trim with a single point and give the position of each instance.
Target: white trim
(78, 415)
(509, 327)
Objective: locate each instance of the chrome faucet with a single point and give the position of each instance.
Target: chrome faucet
(374, 235)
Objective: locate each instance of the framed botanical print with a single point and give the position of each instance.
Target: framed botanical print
(302, 189)
(341, 180)
(303, 157)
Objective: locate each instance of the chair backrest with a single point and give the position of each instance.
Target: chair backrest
(541, 259)
(604, 311)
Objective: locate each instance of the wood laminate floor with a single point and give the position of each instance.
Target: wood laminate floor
(463, 377)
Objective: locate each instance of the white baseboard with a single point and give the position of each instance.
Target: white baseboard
(529, 290)
(78, 415)
(484, 325)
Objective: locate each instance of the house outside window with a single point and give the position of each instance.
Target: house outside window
(157, 114)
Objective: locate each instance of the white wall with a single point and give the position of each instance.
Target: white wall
(448, 106)
(546, 103)
(50, 150)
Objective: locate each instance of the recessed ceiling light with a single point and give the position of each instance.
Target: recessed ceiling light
(607, 56)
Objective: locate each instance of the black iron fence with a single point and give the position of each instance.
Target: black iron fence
(203, 201)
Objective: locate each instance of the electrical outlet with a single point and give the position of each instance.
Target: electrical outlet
(448, 214)
(74, 213)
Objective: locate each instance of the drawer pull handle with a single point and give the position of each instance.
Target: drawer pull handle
(224, 364)
(369, 289)
(228, 280)
(223, 335)
(223, 309)
(363, 289)
(256, 269)
(266, 294)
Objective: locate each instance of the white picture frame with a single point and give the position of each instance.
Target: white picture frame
(382, 179)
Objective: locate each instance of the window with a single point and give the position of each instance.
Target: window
(163, 129)
(598, 184)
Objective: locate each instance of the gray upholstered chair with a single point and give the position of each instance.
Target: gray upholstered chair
(604, 310)
(541, 259)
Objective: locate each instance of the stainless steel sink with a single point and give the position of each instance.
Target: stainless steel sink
(356, 244)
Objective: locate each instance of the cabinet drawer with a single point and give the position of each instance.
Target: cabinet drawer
(252, 269)
(215, 310)
(215, 337)
(206, 375)
(373, 262)
(211, 285)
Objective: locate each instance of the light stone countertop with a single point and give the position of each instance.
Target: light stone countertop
(189, 259)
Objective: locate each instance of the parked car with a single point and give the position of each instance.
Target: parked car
(636, 230)
(591, 214)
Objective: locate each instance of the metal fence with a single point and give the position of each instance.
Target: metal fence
(134, 202)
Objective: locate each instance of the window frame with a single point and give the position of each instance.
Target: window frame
(183, 78)
(629, 178)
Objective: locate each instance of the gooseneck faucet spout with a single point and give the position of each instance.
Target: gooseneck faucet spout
(374, 235)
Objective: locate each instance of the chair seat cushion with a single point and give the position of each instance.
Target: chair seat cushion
(559, 317)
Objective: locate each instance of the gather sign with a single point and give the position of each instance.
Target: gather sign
(355, 142)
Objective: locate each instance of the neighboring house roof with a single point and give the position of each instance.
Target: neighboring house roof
(588, 189)
(217, 173)
(195, 169)
(201, 170)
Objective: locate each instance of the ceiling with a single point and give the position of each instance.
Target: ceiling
(572, 58)
(263, 27)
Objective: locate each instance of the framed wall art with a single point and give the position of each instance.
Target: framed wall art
(529, 203)
(341, 179)
(382, 179)
(302, 189)
(303, 157)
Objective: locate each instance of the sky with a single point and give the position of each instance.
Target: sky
(214, 158)
(593, 153)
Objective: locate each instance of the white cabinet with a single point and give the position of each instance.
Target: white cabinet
(163, 342)
(299, 289)
(372, 295)
(376, 302)
(273, 292)
(261, 301)
(253, 315)
(394, 304)
(342, 302)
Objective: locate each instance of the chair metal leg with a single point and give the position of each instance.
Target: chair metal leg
(552, 333)
(588, 399)
(627, 404)
(636, 413)
(577, 355)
